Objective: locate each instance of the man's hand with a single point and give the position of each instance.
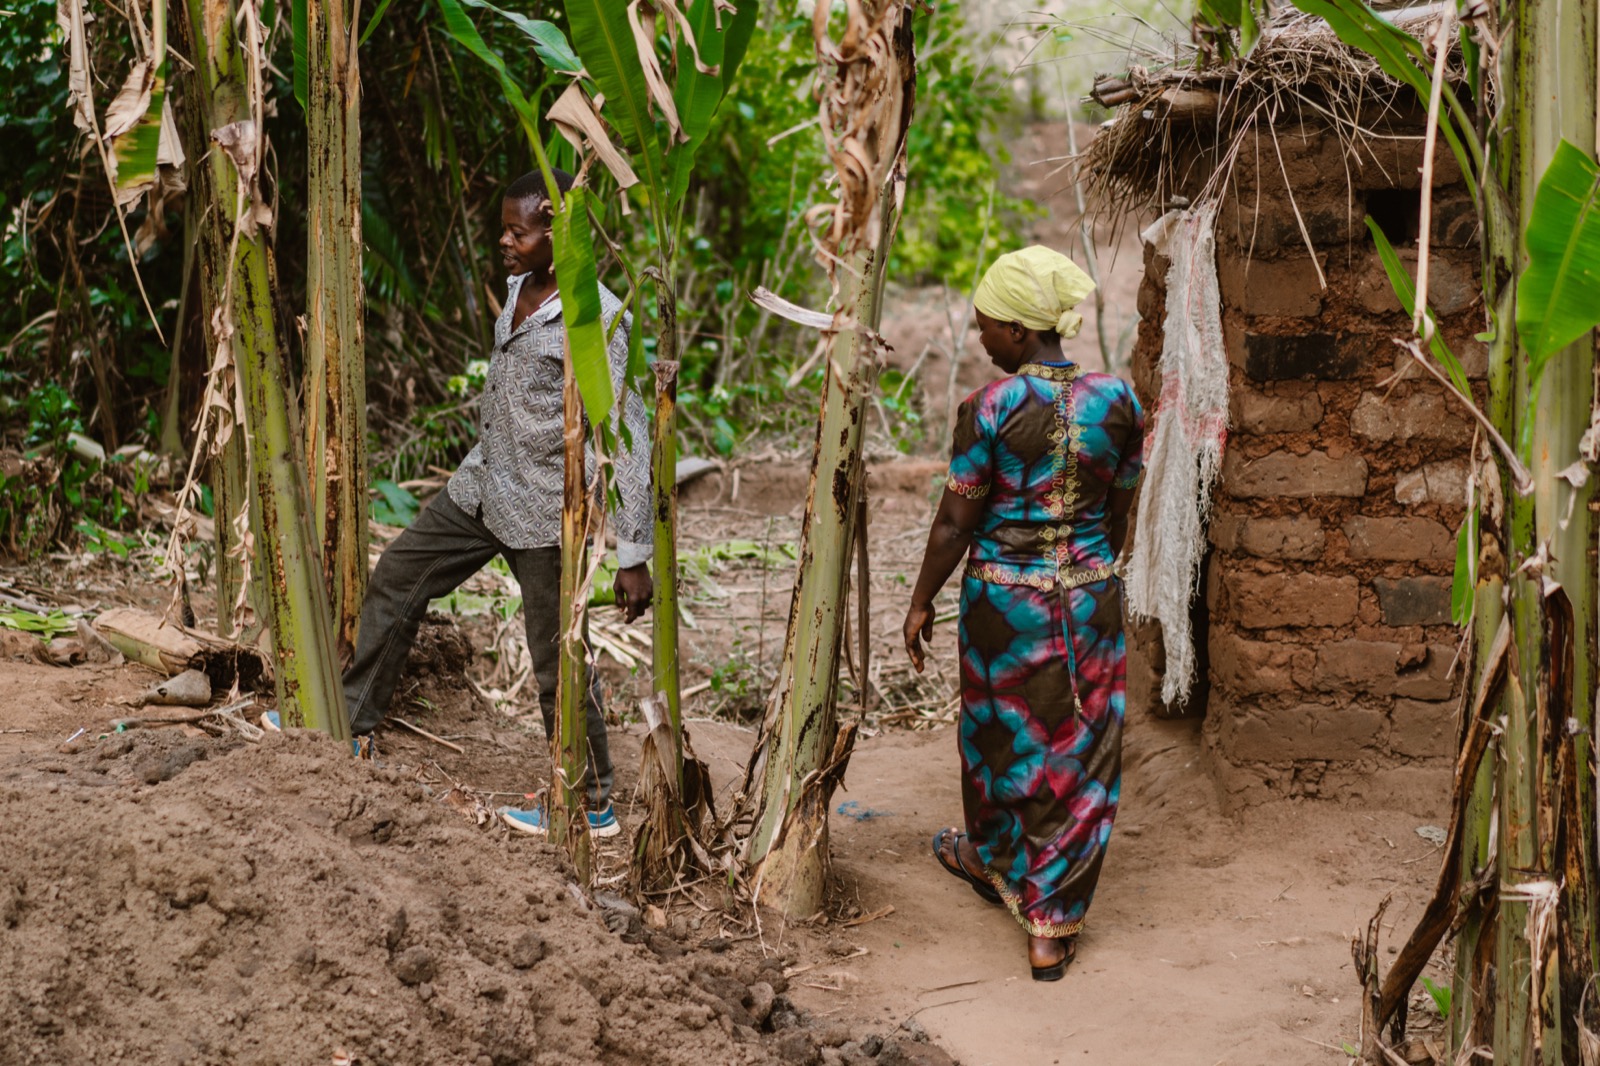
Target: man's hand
(634, 590)
(918, 628)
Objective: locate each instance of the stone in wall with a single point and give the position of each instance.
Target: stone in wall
(1257, 667)
(1443, 482)
(1427, 416)
(1384, 668)
(1300, 730)
(1399, 539)
(1413, 601)
(1296, 476)
(1273, 601)
(1303, 357)
(1284, 288)
(1298, 537)
(1452, 286)
(1291, 408)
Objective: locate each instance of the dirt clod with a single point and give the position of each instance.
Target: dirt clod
(529, 949)
(414, 966)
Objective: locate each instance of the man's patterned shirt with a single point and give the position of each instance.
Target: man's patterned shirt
(515, 471)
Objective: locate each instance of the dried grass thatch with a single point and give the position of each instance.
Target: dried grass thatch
(1179, 128)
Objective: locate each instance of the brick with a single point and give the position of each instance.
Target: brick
(1268, 601)
(1422, 730)
(1300, 476)
(1443, 483)
(1307, 357)
(1284, 288)
(1455, 222)
(1413, 601)
(1472, 354)
(1452, 286)
(1257, 667)
(1302, 730)
(1375, 667)
(1274, 228)
(1421, 415)
(1429, 681)
(1399, 539)
(1297, 537)
(1357, 666)
(1290, 409)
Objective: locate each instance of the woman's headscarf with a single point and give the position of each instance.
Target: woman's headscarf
(1037, 287)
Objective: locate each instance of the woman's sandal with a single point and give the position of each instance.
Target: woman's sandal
(983, 888)
(1059, 970)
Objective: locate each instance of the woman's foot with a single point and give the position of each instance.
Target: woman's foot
(1048, 957)
(955, 853)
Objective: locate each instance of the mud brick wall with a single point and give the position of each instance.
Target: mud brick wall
(1326, 599)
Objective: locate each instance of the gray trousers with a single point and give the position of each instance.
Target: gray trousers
(440, 550)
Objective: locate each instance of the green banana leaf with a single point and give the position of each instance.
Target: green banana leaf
(1558, 294)
(573, 243)
(138, 148)
(698, 95)
(604, 41)
(579, 283)
(549, 43)
(300, 50)
(1406, 293)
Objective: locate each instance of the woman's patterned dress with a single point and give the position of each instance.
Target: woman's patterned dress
(1042, 664)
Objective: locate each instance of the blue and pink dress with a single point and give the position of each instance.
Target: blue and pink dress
(1042, 659)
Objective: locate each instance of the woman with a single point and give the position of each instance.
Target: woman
(1041, 479)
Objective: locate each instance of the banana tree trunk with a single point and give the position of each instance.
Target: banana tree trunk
(570, 752)
(236, 261)
(1552, 78)
(664, 479)
(803, 750)
(335, 372)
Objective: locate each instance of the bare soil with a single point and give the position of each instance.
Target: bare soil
(167, 898)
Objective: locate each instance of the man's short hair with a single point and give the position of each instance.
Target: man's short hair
(531, 185)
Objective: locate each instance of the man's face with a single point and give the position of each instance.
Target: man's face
(525, 236)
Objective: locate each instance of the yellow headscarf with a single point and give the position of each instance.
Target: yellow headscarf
(1037, 287)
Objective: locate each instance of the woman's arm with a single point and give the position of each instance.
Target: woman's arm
(948, 541)
(1119, 504)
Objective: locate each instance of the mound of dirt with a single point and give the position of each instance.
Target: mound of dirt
(187, 900)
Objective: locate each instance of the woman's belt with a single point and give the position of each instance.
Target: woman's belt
(1008, 574)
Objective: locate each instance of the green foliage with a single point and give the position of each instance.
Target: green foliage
(393, 505)
(47, 626)
(1558, 294)
(1440, 994)
(1406, 293)
(580, 303)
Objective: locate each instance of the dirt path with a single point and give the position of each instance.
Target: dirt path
(1211, 941)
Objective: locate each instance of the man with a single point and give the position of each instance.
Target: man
(505, 499)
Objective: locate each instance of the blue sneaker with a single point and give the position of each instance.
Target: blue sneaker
(602, 823)
(360, 747)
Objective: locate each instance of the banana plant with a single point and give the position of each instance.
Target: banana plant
(1523, 805)
(327, 83)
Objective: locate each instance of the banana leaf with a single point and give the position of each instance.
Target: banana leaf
(1558, 294)
(698, 94)
(137, 149)
(549, 43)
(604, 41)
(579, 283)
(1406, 293)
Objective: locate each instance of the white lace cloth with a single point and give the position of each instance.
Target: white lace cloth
(1184, 450)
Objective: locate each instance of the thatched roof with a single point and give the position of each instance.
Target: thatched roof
(1173, 108)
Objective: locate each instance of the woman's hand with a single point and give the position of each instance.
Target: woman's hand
(918, 628)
